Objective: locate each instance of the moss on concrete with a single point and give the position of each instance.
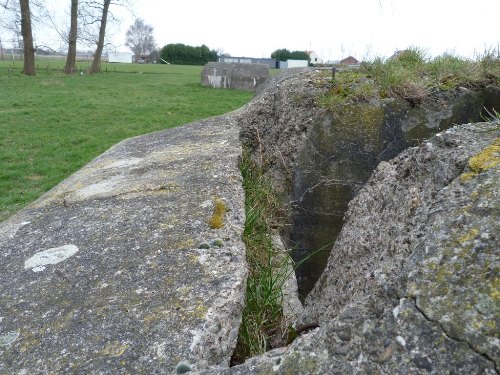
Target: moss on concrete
(217, 219)
(486, 159)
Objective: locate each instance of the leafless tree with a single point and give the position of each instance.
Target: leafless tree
(10, 20)
(96, 62)
(140, 38)
(29, 50)
(97, 12)
(72, 38)
(18, 17)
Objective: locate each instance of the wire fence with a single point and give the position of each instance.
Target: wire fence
(11, 62)
(9, 55)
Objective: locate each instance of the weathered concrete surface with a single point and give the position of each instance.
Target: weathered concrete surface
(105, 273)
(234, 76)
(319, 159)
(411, 286)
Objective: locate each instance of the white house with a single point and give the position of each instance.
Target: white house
(314, 58)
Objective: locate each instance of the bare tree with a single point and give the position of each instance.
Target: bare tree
(96, 62)
(140, 38)
(97, 12)
(18, 17)
(29, 50)
(10, 20)
(72, 38)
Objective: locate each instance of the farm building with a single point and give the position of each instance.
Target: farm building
(120, 57)
(349, 61)
(297, 63)
(272, 63)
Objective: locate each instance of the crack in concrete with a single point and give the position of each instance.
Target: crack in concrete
(447, 334)
(326, 182)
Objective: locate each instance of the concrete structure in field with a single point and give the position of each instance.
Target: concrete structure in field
(234, 75)
(272, 63)
(118, 269)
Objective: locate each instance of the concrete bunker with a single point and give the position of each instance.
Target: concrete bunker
(234, 76)
(318, 160)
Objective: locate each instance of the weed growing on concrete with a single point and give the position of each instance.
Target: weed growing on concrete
(409, 75)
(268, 267)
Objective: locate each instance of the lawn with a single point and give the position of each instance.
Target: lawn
(53, 124)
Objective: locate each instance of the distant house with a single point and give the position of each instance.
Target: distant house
(272, 63)
(314, 58)
(349, 61)
(119, 57)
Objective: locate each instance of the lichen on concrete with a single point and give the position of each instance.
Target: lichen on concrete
(412, 283)
(318, 158)
(102, 274)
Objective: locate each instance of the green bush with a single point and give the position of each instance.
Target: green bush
(181, 54)
(284, 54)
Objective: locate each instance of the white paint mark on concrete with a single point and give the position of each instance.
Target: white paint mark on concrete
(214, 80)
(397, 309)
(196, 340)
(100, 188)
(11, 229)
(54, 255)
(205, 204)
(160, 348)
(123, 163)
(401, 341)
(8, 338)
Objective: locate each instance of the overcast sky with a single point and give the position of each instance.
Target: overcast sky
(334, 29)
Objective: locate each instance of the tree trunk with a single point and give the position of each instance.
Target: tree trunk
(29, 51)
(96, 63)
(73, 31)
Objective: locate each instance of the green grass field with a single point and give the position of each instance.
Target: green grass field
(53, 124)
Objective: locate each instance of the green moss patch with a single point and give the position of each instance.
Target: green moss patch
(217, 219)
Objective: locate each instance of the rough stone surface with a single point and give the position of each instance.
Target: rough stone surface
(318, 160)
(105, 274)
(291, 305)
(411, 286)
(234, 76)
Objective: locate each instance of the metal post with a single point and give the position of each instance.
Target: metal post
(333, 72)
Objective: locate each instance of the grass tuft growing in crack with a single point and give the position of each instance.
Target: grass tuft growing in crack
(410, 75)
(263, 320)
